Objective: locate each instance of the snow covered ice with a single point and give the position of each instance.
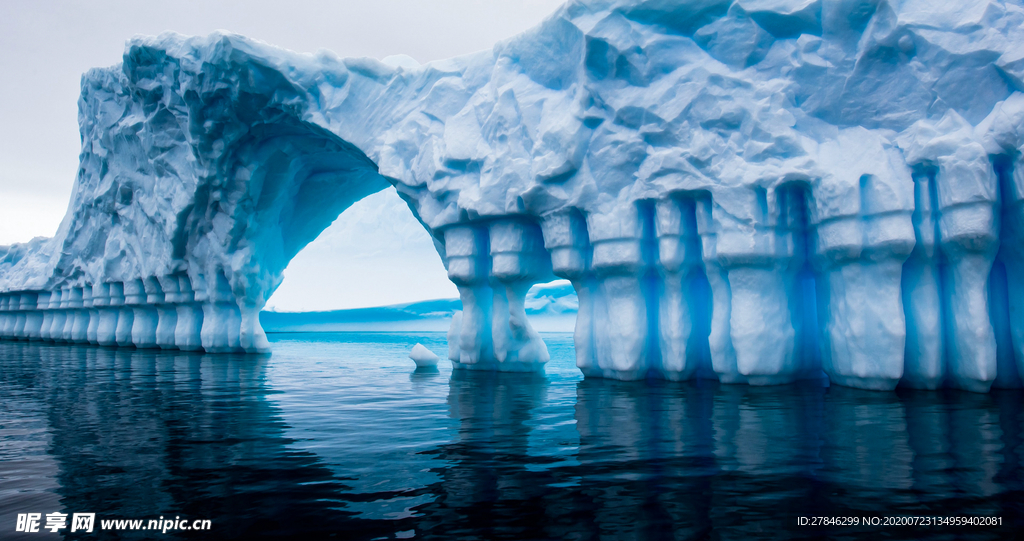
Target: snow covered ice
(750, 190)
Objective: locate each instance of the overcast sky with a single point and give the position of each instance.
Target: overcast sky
(46, 46)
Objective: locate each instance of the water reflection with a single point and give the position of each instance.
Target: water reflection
(243, 441)
(658, 460)
(487, 487)
(142, 434)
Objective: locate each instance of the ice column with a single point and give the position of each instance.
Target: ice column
(795, 244)
(12, 303)
(25, 316)
(19, 317)
(1012, 254)
(968, 233)
(682, 310)
(60, 316)
(4, 315)
(126, 314)
(43, 303)
(16, 315)
(145, 318)
(924, 362)
(468, 267)
(566, 239)
(33, 316)
(108, 299)
(92, 328)
(187, 332)
(76, 331)
(753, 338)
(221, 317)
(723, 355)
(164, 293)
(50, 332)
(67, 300)
(454, 330)
(861, 260)
(518, 261)
(622, 325)
(251, 338)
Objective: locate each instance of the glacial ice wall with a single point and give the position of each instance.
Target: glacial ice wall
(751, 190)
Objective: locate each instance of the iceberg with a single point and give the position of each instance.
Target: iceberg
(423, 357)
(757, 191)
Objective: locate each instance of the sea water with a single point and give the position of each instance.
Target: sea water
(339, 435)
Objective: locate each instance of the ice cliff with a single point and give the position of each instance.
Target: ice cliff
(753, 190)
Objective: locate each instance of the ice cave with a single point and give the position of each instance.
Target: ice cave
(754, 191)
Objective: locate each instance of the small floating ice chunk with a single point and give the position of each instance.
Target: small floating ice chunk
(423, 356)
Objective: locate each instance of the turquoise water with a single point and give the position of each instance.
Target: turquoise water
(337, 435)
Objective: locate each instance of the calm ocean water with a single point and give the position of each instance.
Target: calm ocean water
(337, 435)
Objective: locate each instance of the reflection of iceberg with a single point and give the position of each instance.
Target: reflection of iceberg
(142, 434)
(681, 460)
(663, 460)
(29, 476)
(757, 191)
(266, 450)
(489, 462)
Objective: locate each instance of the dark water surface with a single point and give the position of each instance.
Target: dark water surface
(337, 435)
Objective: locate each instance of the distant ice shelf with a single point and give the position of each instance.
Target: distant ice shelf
(549, 308)
(756, 191)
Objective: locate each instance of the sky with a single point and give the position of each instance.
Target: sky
(46, 46)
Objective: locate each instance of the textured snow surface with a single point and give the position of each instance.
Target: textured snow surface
(751, 190)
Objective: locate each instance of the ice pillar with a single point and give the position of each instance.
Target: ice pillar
(126, 314)
(92, 328)
(624, 303)
(33, 316)
(221, 316)
(518, 260)
(60, 317)
(167, 312)
(861, 260)
(77, 327)
(683, 314)
(106, 325)
(43, 303)
(925, 359)
(468, 267)
(968, 231)
(110, 311)
(1011, 256)
(6, 321)
(751, 267)
(566, 239)
(188, 330)
(145, 318)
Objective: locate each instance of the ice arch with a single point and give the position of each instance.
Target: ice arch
(870, 149)
(187, 208)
